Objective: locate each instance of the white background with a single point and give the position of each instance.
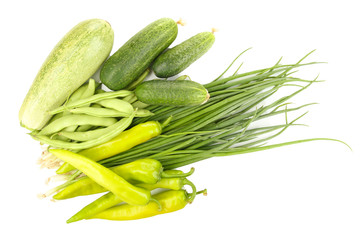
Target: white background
(307, 191)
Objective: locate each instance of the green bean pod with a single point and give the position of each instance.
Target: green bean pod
(88, 135)
(118, 105)
(130, 98)
(143, 113)
(100, 112)
(140, 105)
(76, 95)
(75, 119)
(92, 99)
(120, 127)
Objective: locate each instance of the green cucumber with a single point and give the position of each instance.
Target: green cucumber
(171, 93)
(178, 58)
(135, 56)
(75, 58)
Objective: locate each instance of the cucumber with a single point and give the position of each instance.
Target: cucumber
(178, 58)
(171, 93)
(75, 58)
(135, 56)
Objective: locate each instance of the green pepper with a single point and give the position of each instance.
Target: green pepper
(105, 177)
(125, 141)
(143, 171)
(170, 201)
(109, 199)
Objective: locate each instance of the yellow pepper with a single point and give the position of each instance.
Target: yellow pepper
(170, 201)
(123, 142)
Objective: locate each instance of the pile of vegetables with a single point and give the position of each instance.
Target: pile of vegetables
(126, 135)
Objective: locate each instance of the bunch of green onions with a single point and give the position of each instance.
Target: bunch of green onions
(222, 126)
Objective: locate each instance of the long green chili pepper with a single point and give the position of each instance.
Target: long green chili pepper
(109, 199)
(146, 171)
(123, 142)
(171, 200)
(142, 172)
(105, 177)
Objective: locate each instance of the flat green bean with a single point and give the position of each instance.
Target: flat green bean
(95, 98)
(76, 95)
(121, 126)
(139, 105)
(88, 135)
(117, 104)
(143, 113)
(99, 112)
(130, 98)
(84, 128)
(86, 91)
(75, 119)
(90, 90)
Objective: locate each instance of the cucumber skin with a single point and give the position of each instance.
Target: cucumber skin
(178, 58)
(136, 55)
(75, 58)
(171, 93)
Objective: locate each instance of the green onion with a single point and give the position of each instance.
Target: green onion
(223, 126)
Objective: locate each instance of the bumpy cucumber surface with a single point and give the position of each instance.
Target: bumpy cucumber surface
(72, 62)
(172, 93)
(178, 58)
(136, 55)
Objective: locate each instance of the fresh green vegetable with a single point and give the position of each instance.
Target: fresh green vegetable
(170, 201)
(92, 99)
(123, 142)
(76, 119)
(105, 177)
(101, 112)
(172, 93)
(72, 62)
(109, 199)
(117, 104)
(147, 171)
(84, 91)
(134, 57)
(120, 126)
(223, 126)
(178, 58)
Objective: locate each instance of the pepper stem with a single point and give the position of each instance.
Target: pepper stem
(192, 195)
(204, 192)
(166, 122)
(177, 175)
(157, 202)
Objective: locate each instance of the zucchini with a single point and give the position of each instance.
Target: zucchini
(75, 58)
(171, 93)
(135, 56)
(178, 58)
